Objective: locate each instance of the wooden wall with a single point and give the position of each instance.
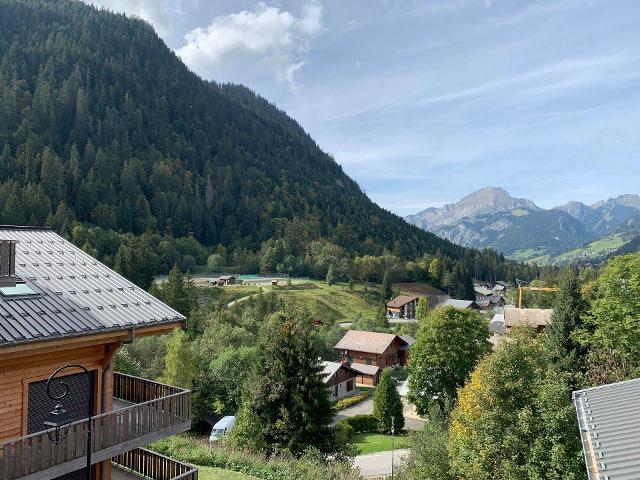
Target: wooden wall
(16, 373)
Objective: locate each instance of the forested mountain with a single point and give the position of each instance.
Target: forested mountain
(109, 138)
(573, 232)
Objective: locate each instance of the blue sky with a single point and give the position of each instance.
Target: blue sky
(422, 102)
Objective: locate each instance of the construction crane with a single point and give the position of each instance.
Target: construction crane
(533, 289)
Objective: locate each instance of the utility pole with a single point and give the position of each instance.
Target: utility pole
(393, 445)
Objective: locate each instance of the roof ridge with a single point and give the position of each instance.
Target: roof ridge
(23, 227)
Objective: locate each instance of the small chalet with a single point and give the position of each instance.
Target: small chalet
(63, 311)
(461, 304)
(223, 280)
(538, 318)
(372, 349)
(495, 301)
(367, 374)
(402, 306)
(482, 293)
(340, 379)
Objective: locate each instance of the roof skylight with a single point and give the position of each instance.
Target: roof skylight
(20, 290)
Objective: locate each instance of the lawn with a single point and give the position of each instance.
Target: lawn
(210, 473)
(332, 304)
(377, 442)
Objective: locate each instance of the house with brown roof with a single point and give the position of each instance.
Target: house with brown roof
(537, 318)
(340, 379)
(402, 306)
(372, 349)
(63, 317)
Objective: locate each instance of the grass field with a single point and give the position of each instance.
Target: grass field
(377, 442)
(592, 251)
(210, 473)
(336, 303)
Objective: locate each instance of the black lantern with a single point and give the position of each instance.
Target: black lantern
(57, 424)
(58, 421)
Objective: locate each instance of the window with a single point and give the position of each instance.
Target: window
(350, 385)
(367, 361)
(335, 391)
(349, 359)
(20, 290)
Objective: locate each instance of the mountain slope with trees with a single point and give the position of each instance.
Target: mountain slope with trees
(106, 136)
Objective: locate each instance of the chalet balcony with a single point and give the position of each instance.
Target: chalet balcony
(147, 464)
(144, 411)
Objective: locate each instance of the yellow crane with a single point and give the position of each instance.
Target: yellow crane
(533, 289)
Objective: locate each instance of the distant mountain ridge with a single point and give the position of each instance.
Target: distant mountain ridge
(490, 217)
(486, 201)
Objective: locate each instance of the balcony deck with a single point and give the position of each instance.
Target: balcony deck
(154, 411)
(141, 464)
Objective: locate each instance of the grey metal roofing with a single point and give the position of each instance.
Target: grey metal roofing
(482, 290)
(609, 419)
(77, 295)
(330, 369)
(452, 302)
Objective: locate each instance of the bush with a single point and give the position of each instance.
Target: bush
(361, 423)
(351, 401)
(399, 373)
(280, 466)
(344, 433)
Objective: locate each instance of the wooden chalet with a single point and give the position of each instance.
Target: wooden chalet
(372, 349)
(59, 306)
(402, 306)
(538, 318)
(340, 379)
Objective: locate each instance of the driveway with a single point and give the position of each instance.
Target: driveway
(379, 464)
(366, 408)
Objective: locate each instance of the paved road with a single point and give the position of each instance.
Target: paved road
(366, 408)
(379, 464)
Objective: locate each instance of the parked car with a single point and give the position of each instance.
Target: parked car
(224, 426)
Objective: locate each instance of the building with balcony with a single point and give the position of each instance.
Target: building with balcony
(59, 306)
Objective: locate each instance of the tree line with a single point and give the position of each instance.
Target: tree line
(507, 412)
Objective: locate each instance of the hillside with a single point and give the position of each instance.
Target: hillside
(573, 232)
(101, 123)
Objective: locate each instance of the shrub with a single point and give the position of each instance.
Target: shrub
(280, 466)
(344, 433)
(361, 423)
(351, 401)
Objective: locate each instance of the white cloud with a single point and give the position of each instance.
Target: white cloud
(276, 38)
(158, 13)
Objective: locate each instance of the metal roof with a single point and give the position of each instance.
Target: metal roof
(76, 294)
(452, 302)
(609, 419)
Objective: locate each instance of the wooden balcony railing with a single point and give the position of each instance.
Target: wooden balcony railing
(156, 411)
(154, 466)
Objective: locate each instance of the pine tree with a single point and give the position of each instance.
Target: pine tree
(286, 406)
(560, 343)
(329, 279)
(387, 404)
(387, 290)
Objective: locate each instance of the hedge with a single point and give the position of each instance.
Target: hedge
(361, 423)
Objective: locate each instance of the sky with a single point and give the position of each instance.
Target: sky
(423, 102)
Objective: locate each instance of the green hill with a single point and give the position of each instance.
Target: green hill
(106, 136)
(98, 113)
